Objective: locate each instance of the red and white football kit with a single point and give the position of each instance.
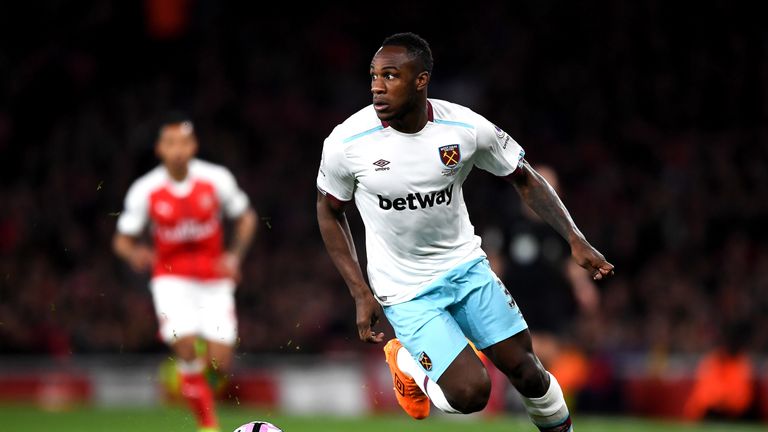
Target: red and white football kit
(190, 295)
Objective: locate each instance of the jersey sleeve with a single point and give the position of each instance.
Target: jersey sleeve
(234, 202)
(497, 152)
(334, 176)
(133, 218)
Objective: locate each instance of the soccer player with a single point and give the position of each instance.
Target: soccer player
(193, 277)
(403, 160)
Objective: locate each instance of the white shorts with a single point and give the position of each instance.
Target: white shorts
(188, 307)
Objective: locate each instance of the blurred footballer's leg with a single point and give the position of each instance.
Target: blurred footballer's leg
(194, 386)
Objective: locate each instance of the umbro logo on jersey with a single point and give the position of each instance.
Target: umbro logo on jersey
(415, 201)
(382, 165)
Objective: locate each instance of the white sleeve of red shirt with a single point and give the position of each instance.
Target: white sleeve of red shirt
(135, 212)
(234, 202)
(135, 215)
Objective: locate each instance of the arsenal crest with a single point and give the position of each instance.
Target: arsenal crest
(450, 155)
(425, 361)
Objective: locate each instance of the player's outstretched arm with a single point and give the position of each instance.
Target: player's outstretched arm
(138, 256)
(341, 247)
(542, 198)
(244, 232)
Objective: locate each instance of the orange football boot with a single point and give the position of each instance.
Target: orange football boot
(409, 395)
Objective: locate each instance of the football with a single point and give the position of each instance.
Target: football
(258, 426)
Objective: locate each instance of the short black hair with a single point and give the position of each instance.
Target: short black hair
(415, 45)
(174, 117)
(171, 118)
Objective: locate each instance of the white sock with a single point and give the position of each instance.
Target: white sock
(408, 365)
(195, 366)
(549, 411)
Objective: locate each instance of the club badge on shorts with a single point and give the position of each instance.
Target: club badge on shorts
(425, 361)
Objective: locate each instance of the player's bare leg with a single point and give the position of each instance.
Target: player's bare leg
(542, 396)
(194, 386)
(466, 383)
(219, 360)
(184, 348)
(220, 357)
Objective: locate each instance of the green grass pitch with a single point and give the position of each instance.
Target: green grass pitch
(25, 419)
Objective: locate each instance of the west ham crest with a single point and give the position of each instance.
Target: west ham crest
(450, 155)
(425, 361)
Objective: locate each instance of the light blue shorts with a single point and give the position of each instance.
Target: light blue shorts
(467, 302)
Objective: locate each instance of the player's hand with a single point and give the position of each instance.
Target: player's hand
(591, 260)
(229, 267)
(368, 314)
(141, 259)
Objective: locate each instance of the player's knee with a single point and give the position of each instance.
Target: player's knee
(470, 396)
(184, 350)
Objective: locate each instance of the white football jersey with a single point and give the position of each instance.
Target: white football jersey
(408, 189)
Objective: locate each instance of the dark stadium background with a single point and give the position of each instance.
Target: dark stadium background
(655, 115)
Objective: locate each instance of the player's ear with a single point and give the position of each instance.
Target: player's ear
(422, 81)
(195, 146)
(158, 152)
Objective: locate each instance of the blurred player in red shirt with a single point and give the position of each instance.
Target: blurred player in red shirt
(193, 278)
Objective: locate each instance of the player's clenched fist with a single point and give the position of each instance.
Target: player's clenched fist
(368, 314)
(592, 260)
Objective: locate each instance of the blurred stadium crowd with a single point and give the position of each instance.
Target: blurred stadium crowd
(655, 117)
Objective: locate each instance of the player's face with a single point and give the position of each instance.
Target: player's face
(177, 145)
(395, 82)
